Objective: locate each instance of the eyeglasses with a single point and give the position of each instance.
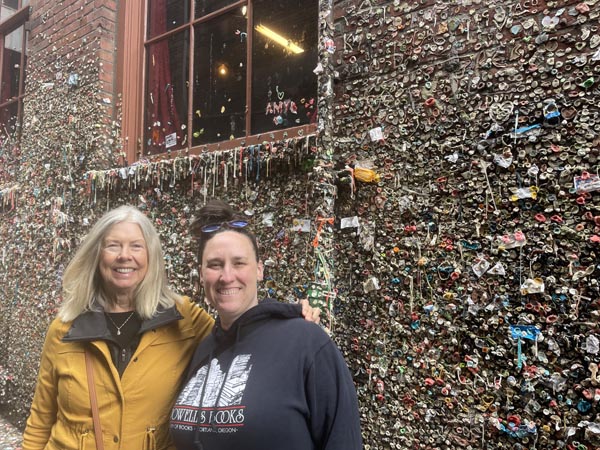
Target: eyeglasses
(217, 226)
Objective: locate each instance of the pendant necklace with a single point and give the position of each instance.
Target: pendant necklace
(123, 324)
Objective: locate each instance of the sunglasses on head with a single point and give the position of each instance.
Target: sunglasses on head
(211, 228)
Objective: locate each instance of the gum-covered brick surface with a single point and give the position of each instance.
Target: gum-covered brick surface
(10, 436)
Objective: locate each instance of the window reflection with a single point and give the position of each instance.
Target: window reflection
(166, 15)
(11, 64)
(284, 55)
(204, 7)
(8, 8)
(12, 72)
(166, 94)
(8, 119)
(220, 79)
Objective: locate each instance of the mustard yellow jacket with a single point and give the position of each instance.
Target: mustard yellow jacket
(134, 409)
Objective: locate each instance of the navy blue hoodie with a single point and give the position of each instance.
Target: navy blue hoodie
(272, 381)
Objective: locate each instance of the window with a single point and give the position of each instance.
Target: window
(221, 70)
(13, 61)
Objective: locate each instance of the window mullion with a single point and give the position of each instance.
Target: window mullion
(249, 40)
(190, 91)
(2, 56)
(21, 89)
(190, 88)
(22, 62)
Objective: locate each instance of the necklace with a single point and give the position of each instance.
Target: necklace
(123, 324)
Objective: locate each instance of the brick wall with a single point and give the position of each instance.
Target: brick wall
(68, 127)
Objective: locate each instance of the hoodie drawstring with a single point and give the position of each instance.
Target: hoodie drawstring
(197, 440)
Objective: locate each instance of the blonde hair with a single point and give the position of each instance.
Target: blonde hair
(83, 286)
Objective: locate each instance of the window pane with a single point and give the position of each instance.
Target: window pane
(220, 79)
(8, 119)
(166, 94)
(24, 69)
(284, 55)
(204, 7)
(11, 67)
(165, 15)
(8, 8)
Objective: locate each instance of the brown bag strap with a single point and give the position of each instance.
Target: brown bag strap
(92, 390)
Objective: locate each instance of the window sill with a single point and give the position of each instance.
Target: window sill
(269, 136)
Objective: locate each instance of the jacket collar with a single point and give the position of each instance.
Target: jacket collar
(91, 325)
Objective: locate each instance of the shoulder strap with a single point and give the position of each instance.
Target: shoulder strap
(94, 403)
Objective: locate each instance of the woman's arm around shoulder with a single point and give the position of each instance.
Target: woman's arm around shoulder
(201, 322)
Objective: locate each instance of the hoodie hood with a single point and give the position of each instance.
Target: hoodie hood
(227, 340)
(221, 339)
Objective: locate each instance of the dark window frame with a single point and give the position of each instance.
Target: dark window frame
(7, 26)
(131, 83)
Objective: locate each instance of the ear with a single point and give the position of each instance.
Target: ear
(259, 271)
